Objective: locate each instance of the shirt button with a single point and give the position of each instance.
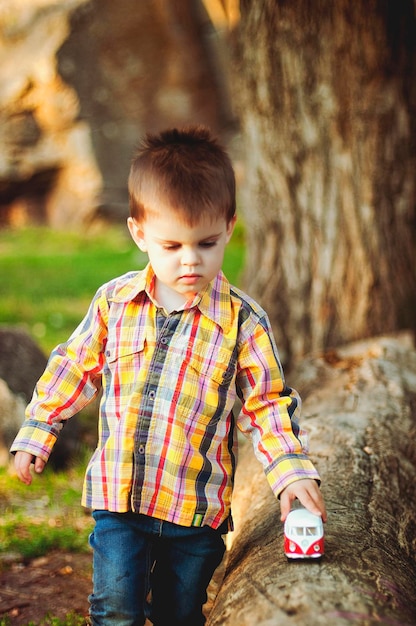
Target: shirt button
(141, 449)
(164, 340)
(152, 395)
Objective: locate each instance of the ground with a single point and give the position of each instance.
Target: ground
(57, 584)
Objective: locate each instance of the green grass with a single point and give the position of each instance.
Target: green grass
(70, 620)
(48, 278)
(45, 516)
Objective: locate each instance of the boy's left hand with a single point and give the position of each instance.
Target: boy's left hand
(308, 494)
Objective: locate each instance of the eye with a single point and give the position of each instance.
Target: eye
(171, 246)
(207, 244)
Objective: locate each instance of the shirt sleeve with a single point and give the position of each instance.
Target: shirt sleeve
(70, 381)
(270, 410)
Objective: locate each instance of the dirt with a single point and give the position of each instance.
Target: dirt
(57, 584)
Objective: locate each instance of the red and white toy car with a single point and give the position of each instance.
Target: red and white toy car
(303, 535)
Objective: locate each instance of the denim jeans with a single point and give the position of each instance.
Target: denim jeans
(135, 555)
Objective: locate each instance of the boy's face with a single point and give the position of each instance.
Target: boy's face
(184, 258)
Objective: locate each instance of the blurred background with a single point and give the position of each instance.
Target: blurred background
(316, 103)
(81, 81)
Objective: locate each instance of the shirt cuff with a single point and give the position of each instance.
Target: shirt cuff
(37, 438)
(289, 469)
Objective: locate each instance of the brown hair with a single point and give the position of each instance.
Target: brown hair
(187, 170)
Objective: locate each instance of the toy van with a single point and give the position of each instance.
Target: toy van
(303, 535)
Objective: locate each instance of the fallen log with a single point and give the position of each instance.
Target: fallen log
(360, 411)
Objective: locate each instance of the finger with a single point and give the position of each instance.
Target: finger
(23, 471)
(321, 506)
(39, 465)
(319, 503)
(309, 503)
(25, 477)
(314, 503)
(285, 505)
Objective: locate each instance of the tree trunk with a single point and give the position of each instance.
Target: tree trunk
(138, 67)
(326, 94)
(361, 418)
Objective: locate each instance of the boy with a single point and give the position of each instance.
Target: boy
(174, 346)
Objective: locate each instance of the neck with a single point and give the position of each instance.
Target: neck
(168, 298)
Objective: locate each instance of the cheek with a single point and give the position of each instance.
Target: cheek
(163, 263)
(217, 254)
(214, 261)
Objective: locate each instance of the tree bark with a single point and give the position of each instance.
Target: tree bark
(360, 409)
(326, 94)
(139, 67)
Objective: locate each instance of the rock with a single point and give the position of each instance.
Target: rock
(12, 411)
(22, 362)
(10, 558)
(359, 410)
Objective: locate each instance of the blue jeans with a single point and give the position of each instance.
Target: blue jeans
(135, 555)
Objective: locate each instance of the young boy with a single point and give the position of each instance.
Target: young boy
(174, 346)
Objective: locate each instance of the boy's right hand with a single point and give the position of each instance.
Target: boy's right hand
(22, 463)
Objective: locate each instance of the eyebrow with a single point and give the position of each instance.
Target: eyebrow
(171, 241)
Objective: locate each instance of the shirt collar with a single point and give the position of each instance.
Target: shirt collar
(133, 284)
(214, 301)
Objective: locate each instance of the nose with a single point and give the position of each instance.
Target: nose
(190, 256)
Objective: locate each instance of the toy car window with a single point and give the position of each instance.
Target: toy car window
(298, 530)
(311, 530)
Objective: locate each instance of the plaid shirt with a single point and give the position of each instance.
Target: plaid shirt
(166, 427)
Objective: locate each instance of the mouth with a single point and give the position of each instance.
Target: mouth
(190, 279)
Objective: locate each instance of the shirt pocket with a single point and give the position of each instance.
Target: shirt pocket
(220, 368)
(124, 366)
(117, 351)
(208, 393)
(214, 359)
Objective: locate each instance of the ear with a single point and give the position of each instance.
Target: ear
(230, 228)
(137, 234)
